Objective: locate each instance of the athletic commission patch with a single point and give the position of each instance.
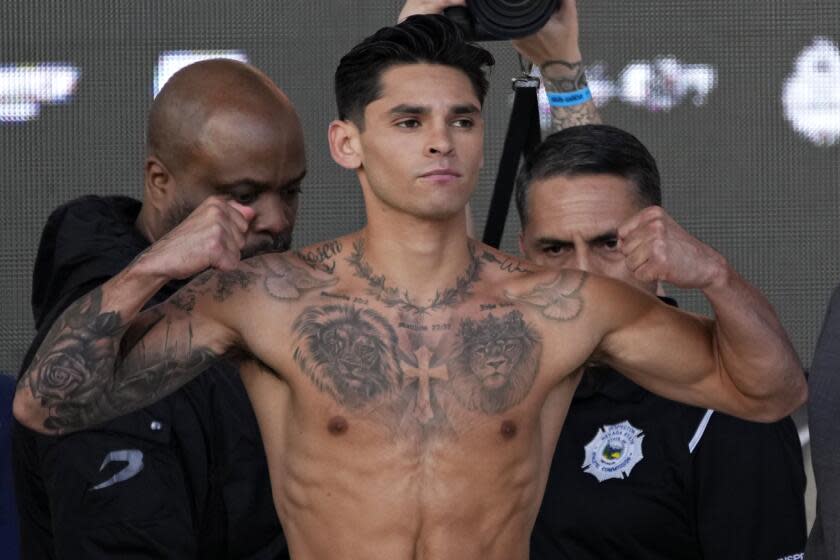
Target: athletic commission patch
(613, 452)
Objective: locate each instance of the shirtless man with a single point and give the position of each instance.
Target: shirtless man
(412, 381)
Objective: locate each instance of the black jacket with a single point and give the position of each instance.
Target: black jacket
(639, 477)
(183, 478)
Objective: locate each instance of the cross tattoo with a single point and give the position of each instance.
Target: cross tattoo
(424, 373)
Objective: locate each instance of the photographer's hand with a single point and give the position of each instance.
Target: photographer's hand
(556, 50)
(416, 7)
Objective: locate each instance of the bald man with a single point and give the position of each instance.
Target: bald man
(185, 477)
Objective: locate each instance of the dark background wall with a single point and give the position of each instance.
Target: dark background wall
(737, 173)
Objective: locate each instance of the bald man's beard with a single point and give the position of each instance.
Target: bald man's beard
(267, 244)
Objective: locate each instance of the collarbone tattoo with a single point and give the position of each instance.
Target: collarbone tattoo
(399, 298)
(322, 257)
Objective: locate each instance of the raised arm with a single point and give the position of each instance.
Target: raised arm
(742, 362)
(555, 49)
(103, 357)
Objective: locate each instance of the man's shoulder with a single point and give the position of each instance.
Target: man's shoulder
(84, 242)
(502, 266)
(286, 276)
(559, 295)
(318, 259)
(322, 256)
(93, 207)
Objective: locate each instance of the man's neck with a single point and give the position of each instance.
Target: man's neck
(146, 224)
(421, 260)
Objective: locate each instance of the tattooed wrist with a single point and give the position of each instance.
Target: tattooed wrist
(560, 75)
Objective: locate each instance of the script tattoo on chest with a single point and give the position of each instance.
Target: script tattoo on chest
(322, 257)
(507, 264)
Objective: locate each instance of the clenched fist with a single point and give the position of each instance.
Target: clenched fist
(657, 249)
(212, 236)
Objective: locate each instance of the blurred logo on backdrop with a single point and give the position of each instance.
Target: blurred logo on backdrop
(25, 88)
(656, 85)
(811, 93)
(170, 62)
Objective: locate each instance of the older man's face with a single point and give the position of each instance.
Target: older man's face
(573, 223)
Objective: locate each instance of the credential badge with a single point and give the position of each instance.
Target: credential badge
(613, 452)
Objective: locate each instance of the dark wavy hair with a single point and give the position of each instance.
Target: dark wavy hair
(430, 39)
(588, 149)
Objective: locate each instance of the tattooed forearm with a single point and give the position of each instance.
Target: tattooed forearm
(84, 374)
(399, 298)
(563, 77)
(82, 335)
(565, 117)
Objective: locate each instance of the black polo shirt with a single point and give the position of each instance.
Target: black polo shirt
(637, 476)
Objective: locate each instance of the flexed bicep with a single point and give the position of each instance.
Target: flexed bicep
(98, 362)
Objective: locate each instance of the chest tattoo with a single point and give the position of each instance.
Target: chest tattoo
(421, 378)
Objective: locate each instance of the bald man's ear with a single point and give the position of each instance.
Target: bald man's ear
(345, 147)
(159, 184)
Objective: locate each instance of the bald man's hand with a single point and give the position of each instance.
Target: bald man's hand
(416, 7)
(657, 249)
(212, 236)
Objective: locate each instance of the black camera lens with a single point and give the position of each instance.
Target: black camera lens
(493, 20)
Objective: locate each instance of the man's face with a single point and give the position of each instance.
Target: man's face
(421, 147)
(252, 161)
(573, 223)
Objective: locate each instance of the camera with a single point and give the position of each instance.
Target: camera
(497, 20)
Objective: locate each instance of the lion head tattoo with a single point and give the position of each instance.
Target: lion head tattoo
(349, 353)
(496, 363)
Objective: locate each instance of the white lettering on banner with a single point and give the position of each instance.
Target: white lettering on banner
(24, 88)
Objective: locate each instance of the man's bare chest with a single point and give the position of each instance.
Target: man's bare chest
(464, 354)
(440, 371)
